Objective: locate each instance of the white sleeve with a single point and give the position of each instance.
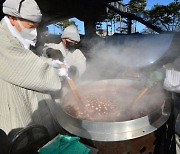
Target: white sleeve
(172, 80)
(77, 59)
(80, 62)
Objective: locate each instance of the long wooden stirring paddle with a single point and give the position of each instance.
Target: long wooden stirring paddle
(74, 90)
(73, 87)
(140, 95)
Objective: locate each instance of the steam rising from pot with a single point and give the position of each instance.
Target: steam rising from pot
(119, 54)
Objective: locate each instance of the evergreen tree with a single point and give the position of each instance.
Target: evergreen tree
(137, 6)
(166, 17)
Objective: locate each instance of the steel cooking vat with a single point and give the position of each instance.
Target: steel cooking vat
(137, 121)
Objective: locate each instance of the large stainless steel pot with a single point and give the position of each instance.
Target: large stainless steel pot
(151, 120)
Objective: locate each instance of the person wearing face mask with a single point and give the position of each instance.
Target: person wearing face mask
(25, 78)
(73, 58)
(68, 47)
(169, 77)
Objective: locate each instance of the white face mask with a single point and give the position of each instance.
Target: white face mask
(28, 33)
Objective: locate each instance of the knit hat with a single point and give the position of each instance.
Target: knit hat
(26, 9)
(71, 33)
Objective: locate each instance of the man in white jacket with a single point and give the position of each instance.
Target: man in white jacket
(170, 76)
(73, 57)
(172, 83)
(25, 78)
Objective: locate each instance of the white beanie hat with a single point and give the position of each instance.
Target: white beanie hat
(26, 9)
(71, 33)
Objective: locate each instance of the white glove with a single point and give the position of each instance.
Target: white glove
(63, 72)
(56, 63)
